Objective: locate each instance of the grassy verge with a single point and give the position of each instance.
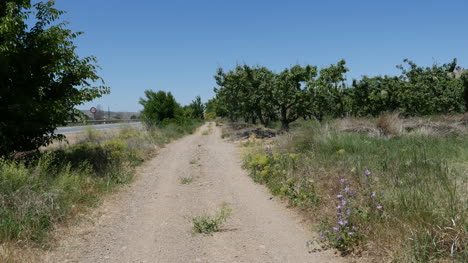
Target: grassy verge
(400, 197)
(46, 190)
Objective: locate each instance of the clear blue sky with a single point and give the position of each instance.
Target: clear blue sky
(176, 45)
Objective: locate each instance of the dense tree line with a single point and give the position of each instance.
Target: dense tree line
(160, 108)
(255, 93)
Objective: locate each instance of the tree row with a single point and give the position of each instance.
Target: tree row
(256, 93)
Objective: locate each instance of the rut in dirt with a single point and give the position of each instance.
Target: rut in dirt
(151, 221)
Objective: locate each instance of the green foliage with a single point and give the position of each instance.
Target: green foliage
(196, 109)
(430, 90)
(172, 130)
(42, 78)
(256, 93)
(328, 92)
(158, 107)
(186, 180)
(206, 224)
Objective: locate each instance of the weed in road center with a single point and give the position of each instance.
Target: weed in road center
(186, 180)
(206, 224)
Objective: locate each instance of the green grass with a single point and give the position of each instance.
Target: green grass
(186, 180)
(165, 133)
(420, 181)
(206, 224)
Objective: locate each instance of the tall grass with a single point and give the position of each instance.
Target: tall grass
(410, 205)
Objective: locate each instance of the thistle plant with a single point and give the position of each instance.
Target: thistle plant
(346, 234)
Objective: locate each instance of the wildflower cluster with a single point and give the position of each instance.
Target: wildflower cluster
(352, 210)
(370, 195)
(344, 235)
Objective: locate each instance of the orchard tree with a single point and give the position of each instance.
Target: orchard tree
(289, 95)
(372, 96)
(258, 94)
(327, 92)
(430, 90)
(42, 79)
(159, 106)
(464, 78)
(229, 94)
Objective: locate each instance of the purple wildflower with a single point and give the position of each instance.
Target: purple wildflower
(340, 222)
(350, 233)
(373, 194)
(347, 189)
(327, 231)
(342, 180)
(343, 202)
(348, 212)
(367, 172)
(335, 228)
(338, 213)
(338, 207)
(379, 207)
(339, 196)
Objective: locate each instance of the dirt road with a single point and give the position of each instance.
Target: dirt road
(151, 220)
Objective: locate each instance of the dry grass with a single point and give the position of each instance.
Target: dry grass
(358, 126)
(390, 125)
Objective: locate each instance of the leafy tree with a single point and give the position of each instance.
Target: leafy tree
(42, 79)
(373, 96)
(159, 106)
(430, 90)
(289, 95)
(197, 108)
(464, 78)
(229, 94)
(328, 91)
(258, 93)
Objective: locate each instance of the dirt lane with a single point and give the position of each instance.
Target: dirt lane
(150, 221)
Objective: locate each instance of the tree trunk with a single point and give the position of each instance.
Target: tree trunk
(284, 119)
(284, 125)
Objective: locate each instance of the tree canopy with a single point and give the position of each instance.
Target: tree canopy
(42, 78)
(253, 93)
